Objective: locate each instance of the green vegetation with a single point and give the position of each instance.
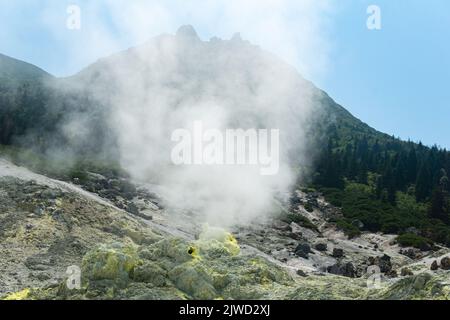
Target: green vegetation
(65, 169)
(349, 229)
(309, 207)
(387, 184)
(413, 240)
(381, 183)
(363, 211)
(298, 219)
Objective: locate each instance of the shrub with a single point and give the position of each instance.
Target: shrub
(300, 220)
(349, 229)
(413, 240)
(309, 208)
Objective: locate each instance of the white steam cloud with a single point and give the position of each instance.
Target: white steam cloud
(172, 81)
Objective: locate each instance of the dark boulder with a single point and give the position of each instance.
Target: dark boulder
(301, 273)
(321, 247)
(445, 263)
(384, 262)
(303, 250)
(434, 266)
(295, 235)
(406, 272)
(412, 253)
(338, 253)
(346, 270)
(392, 274)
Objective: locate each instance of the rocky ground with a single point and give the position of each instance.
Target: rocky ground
(130, 245)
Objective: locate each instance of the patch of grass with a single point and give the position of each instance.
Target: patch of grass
(413, 240)
(349, 229)
(65, 169)
(300, 220)
(308, 190)
(21, 157)
(333, 196)
(309, 207)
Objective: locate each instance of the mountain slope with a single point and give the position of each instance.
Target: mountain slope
(123, 256)
(124, 108)
(14, 73)
(185, 54)
(22, 98)
(109, 126)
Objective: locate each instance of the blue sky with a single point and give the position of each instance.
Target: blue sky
(396, 79)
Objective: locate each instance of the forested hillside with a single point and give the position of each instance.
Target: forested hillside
(383, 183)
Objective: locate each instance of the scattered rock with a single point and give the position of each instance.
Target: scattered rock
(412, 253)
(280, 225)
(301, 273)
(384, 262)
(434, 266)
(406, 272)
(445, 263)
(392, 274)
(346, 270)
(338, 253)
(321, 247)
(295, 235)
(303, 250)
(421, 280)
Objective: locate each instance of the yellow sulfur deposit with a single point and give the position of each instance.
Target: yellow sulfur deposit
(232, 245)
(21, 295)
(193, 251)
(226, 239)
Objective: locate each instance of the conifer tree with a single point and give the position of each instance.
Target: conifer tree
(423, 183)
